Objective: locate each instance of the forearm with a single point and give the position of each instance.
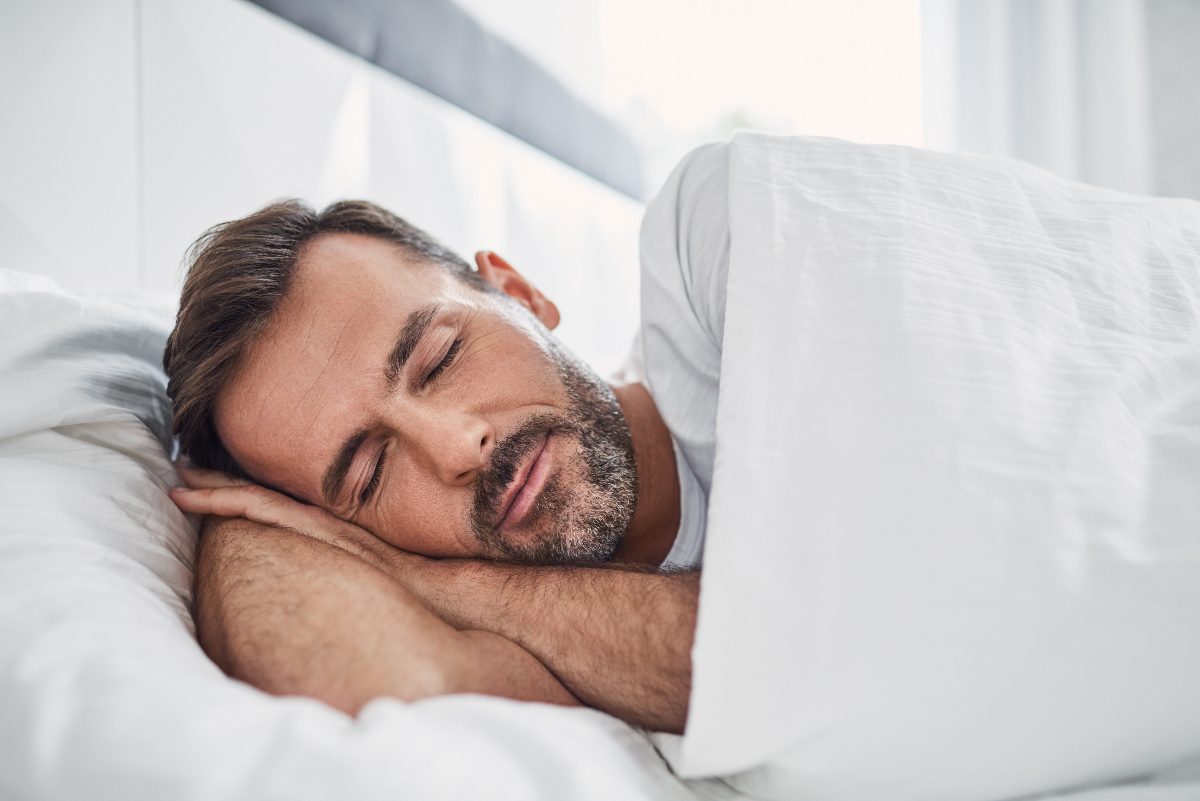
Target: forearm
(295, 616)
(619, 640)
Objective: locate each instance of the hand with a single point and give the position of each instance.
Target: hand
(210, 492)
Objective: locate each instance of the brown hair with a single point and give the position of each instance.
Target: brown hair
(238, 273)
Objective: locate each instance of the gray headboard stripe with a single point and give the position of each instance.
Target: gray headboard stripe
(444, 50)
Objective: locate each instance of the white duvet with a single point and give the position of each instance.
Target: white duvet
(104, 693)
(954, 529)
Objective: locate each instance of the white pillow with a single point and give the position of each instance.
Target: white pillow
(104, 693)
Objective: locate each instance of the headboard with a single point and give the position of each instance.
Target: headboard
(438, 46)
(130, 126)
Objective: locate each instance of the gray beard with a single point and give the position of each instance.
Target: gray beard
(580, 525)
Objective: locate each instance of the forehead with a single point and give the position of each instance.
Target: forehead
(342, 267)
(321, 355)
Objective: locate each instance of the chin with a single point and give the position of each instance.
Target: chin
(567, 545)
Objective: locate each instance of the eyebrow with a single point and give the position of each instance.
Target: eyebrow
(410, 336)
(415, 326)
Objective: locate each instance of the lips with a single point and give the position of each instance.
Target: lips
(521, 494)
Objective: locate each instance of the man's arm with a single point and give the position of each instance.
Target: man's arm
(296, 616)
(620, 640)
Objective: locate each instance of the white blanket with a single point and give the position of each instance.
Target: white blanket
(954, 533)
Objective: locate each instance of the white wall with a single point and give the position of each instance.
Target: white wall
(68, 141)
(239, 110)
(135, 125)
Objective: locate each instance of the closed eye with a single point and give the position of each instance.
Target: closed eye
(446, 361)
(373, 482)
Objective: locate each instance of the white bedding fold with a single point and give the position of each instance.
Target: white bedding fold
(954, 532)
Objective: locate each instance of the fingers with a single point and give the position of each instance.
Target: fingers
(268, 508)
(215, 494)
(243, 500)
(199, 478)
(210, 501)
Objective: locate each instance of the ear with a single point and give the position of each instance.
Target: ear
(502, 275)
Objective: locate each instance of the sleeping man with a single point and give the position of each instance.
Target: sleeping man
(412, 488)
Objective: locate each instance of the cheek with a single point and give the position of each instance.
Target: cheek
(515, 371)
(417, 514)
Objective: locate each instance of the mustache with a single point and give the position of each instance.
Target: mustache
(505, 461)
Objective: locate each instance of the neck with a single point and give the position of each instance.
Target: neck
(652, 530)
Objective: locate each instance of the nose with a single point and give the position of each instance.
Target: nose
(456, 444)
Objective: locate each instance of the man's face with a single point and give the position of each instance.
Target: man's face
(445, 420)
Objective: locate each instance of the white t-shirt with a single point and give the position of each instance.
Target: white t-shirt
(677, 354)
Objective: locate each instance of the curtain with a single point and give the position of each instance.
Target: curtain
(1065, 84)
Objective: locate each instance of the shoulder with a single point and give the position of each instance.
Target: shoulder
(697, 186)
(685, 237)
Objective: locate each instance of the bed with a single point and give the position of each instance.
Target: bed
(130, 126)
